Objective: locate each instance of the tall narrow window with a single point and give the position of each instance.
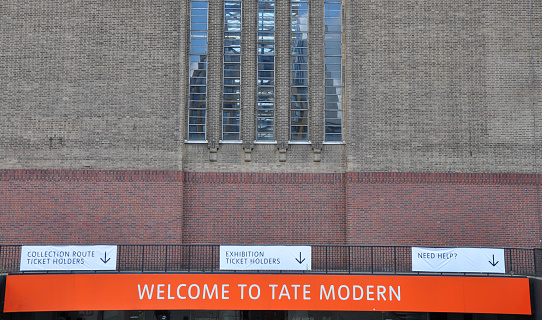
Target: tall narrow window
(333, 70)
(265, 108)
(299, 77)
(231, 100)
(197, 101)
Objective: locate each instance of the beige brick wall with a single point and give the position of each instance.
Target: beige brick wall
(431, 86)
(90, 84)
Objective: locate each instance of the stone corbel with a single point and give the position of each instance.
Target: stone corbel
(213, 151)
(317, 151)
(247, 148)
(282, 148)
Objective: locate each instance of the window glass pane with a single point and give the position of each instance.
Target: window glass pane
(196, 104)
(333, 28)
(198, 50)
(198, 58)
(266, 74)
(332, 6)
(196, 128)
(230, 136)
(266, 66)
(299, 129)
(333, 75)
(335, 105)
(335, 21)
(199, 20)
(232, 113)
(198, 42)
(231, 97)
(196, 136)
(266, 36)
(299, 75)
(334, 114)
(333, 137)
(198, 26)
(199, 4)
(231, 74)
(232, 81)
(232, 66)
(198, 12)
(265, 113)
(335, 91)
(232, 4)
(228, 120)
(232, 58)
(300, 82)
(300, 90)
(233, 27)
(196, 120)
(332, 60)
(232, 42)
(299, 97)
(198, 34)
(235, 89)
(198, 97)
(231, 101)
(299, 105)
(300, 51)
(333, 68)
(198, 81)
(332, 14)
(198, 89)
(266, 82)
(232, 50)
(300, 66)
(266, 58)
(329, 44)
(334, 36)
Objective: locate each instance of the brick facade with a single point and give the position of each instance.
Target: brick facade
(133, 207)
(441, 110)
(90, 207)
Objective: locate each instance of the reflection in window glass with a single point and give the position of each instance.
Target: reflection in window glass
(265, 107)
(299, 76)
(197, 103)
(231, 98)
(333, 70)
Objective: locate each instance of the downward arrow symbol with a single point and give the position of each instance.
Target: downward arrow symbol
(299, 260)
(105, 260)
(493, 263)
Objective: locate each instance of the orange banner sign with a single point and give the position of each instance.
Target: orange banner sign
(72, 292)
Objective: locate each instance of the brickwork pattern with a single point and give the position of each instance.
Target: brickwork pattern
(237, 208)
(442, 209)
(316, 67)
(363, 208)
(429, 87)
(436, 86)
(248, 69)
(90, 207)
(90, 84)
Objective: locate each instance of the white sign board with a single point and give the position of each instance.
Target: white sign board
(458, 260)
(265, 258)
(68, 258)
